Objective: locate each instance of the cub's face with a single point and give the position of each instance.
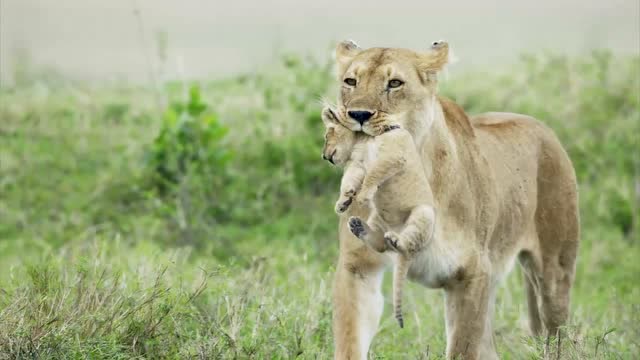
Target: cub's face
(380, 84)
(338, 140)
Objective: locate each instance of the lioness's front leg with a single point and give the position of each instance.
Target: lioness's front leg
(469, 301)
(357, 296)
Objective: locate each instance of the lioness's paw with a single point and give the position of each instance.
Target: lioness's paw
(357, 227)
(343, 204)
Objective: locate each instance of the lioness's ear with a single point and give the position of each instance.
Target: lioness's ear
(437, 57)
(345, 52)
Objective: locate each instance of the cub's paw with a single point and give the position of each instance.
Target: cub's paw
(392, 240)
(350, 193)
(343, 204)
(330, 116)
(357, 227)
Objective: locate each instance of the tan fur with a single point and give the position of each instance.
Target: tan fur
(503, 188)
(378, 170)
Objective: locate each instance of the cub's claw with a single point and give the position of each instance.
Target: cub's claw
(329, 115)
(392, 239)
(357, 227)
(343, 205)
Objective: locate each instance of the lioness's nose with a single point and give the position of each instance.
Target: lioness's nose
(360, 116)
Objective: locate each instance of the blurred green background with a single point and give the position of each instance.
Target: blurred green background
(178, 215)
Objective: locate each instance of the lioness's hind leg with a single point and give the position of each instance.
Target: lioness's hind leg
(558, 269)
(557, 279)
(532, 277)
(558, 228)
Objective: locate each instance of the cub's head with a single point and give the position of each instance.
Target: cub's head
(338, 140)
(380, 84)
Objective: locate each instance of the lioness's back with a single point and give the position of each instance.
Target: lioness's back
(523, 134)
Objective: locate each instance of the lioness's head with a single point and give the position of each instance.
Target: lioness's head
(380, 84)
(338, 140)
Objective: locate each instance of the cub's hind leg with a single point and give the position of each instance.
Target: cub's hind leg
(370, 232)
(418, 230)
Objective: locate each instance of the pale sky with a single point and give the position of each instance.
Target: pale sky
(100, 40)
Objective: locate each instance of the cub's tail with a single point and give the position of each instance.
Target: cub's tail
(399, 279)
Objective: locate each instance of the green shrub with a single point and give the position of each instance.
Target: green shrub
(189, 141)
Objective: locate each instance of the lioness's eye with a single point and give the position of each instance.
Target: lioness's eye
(350, 81)
(394, 83)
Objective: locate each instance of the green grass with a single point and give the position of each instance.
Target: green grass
(104, 256)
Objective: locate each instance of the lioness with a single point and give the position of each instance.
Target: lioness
(503, 188)
(378, 171)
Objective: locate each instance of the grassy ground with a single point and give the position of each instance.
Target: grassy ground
(202, 227)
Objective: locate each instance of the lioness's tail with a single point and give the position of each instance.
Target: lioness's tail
(399, 278)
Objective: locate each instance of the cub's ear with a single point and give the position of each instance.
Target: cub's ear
(345, 52)
(436, 58)
(329, 117)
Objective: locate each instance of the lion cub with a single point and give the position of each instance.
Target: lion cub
(383, 172)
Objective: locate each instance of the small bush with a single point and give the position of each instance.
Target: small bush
(189, 142)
